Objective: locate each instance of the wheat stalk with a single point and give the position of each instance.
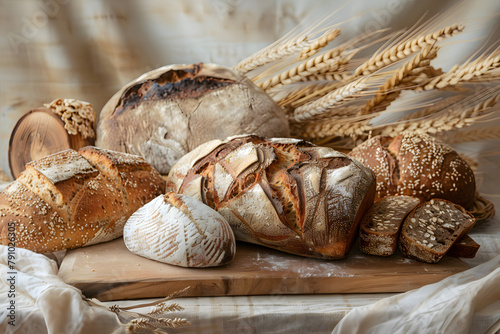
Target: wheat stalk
(402, 78)
(404, 49)
(330, 100)
(449, 119)
(482, 133)
(466, 72)
(266, 56)
(330, 60)
(319, 43)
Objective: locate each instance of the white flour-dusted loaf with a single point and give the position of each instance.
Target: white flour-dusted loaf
(181, 231)
(75, 198)
(285, 194)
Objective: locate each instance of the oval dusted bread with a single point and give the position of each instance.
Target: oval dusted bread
(180, 230)
(169, 111)
(281, 193)
(418, 165)
(75, 198)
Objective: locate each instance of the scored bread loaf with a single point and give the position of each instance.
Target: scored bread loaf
(72, 199)
(417, 165)
(380, 227)
(285, 194)
(432, 228)
(181, 231)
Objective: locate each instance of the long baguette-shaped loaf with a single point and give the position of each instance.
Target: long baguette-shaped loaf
(75, 198)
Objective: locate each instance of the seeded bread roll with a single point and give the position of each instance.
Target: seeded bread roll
(380, 227)
(281, 193)
(432, 228)
(72, 199)
(417, 165)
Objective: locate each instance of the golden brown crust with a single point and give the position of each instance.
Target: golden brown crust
(73, 199)
(417, 165)
(281, 193)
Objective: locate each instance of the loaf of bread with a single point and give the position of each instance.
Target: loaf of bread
(380, 227)
(285, 194)
(417, 165)
(181, 231)
(75, 198)
(432, 228)
(169, 111)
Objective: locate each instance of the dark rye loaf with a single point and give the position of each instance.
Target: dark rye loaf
(417, 165)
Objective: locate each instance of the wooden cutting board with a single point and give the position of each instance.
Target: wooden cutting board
(109, 271)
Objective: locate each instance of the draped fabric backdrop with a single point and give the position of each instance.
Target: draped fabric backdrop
(88, 49)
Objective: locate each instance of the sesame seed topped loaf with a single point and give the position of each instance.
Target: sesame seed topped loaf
(417, 165)
(75, 198)
(282, 193)
(432, 228)
(380, 227)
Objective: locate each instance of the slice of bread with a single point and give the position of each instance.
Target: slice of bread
(432, 228)
(465, 248)
(380, 227)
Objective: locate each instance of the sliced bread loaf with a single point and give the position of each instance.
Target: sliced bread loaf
(432, 228)
(380, 227)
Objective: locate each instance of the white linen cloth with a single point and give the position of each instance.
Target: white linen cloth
(43, 302)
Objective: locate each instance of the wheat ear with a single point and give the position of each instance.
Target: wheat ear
(403, 50)
(327, 102)
(466, 72)
(268, 55)
(402, 78)
(331, 60)
(319, 43)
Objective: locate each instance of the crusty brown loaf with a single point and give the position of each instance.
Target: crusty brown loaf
(380, 227)
(417, 165)
(281, 193)
(72, 199)
(432, 228)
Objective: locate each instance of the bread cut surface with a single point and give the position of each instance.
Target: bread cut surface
(432, 228)
(381, 225)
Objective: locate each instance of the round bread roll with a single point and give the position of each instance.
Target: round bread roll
(418, 165)
(167, 112)
(181, 231)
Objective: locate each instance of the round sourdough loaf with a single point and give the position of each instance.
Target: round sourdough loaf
(417, 165)
(285, 194)
(169, 111)
(75, 198)
(180, 230)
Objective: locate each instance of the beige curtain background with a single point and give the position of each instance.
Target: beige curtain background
(88, 49)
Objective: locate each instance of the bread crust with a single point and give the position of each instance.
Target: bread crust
(417, 165)
(285, 194)
(72, 199)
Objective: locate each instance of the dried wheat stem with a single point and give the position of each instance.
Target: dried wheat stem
(403, 50)
(330, 60)
(449, 120)
(275, 53)
(319, 43)
(334, 128)
(325, 103)
(465, 73)
(404, 74)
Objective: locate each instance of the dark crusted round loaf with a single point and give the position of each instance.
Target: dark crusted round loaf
(417, 165)
(169, 111)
